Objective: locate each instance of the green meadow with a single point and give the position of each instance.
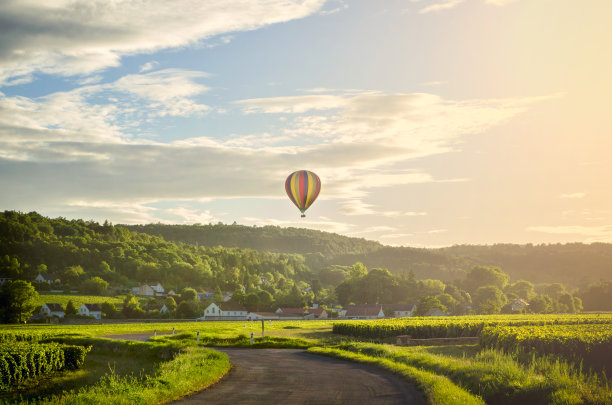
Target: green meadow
(120, 371)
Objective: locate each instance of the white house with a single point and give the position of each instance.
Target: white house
(518, 305)
(52, 309)
(225, 311)
(91, 310)
(365, 312)
(158, 288)
(48, 278)
(400, 310)
(163, 309)
(149, 290)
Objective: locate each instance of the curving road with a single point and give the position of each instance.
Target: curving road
(288, 376)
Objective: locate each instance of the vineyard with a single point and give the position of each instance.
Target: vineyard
(463, 326)
(590, 344)
(20, 361)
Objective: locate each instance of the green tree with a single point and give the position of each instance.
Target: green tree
(488, 300)
(252, 302)
(481, 276)
(189, 295)
(265, 300)
(523, 289)
(131, 307)
(218, 295)
(94, 286)
(358, 270)
(108, 310)
(70, 309)
(170, 304)
(188, 309)
(541, 304)
(17, 301)
(566, 303)
(428, 303)
(72, 274)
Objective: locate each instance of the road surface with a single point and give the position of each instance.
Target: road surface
(290, 376)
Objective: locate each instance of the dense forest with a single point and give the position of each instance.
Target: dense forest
(92, 257)
(573, 264)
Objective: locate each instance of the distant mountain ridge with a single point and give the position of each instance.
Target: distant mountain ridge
(574, 264)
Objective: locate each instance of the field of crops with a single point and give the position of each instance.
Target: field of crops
(461, 326)
(590, 344)
(77, 300)
(21, 361)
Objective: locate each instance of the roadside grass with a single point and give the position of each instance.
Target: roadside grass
(496, 376)
(240, 341)
(128, 372)
(437, 389)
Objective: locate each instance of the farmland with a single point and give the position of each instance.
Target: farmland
(503, 369)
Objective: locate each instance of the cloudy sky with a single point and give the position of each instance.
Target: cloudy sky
(429, 122)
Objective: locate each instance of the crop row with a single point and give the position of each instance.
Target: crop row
(590, 344)
(21, 336)
(425, 328)
(20, 361)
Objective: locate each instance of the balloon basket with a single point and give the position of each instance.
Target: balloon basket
(303, 215)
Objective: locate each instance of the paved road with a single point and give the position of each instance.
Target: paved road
(287, 376)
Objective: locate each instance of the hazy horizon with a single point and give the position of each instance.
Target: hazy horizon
(430, 123)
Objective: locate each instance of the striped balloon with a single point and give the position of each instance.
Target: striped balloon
(303, 187)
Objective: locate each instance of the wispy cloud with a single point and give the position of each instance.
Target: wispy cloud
(589, 234)
(441, 5)
(84, 36)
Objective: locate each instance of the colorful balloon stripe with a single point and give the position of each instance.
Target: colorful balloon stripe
(303, 188)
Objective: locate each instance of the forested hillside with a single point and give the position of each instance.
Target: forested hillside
(575, 264)
(89, 257)
(76, 250)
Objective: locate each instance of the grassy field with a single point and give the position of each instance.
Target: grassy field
(445, 374)
(78, 300)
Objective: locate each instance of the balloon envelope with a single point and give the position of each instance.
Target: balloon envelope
(303, 188)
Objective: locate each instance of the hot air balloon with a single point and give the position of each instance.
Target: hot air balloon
(303, 187)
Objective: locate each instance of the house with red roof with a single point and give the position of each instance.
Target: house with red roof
(364, 312)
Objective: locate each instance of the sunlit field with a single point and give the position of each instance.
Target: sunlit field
(520, 359)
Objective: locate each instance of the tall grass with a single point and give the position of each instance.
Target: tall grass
(497, 377)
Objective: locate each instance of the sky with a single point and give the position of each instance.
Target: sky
(429, 122)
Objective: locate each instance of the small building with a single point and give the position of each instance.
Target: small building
(302, 313)
(52, 309)
(208, 294)
(225, 311)
(258, 316)
(93, 310)
(171, 293)
(364, 312)
(519, 305)
(399, 310)
(149, 290)
(48, 278)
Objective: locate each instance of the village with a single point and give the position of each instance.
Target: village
(228, 310)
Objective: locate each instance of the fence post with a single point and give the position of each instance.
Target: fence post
(173, 330)
(198, 337)
(251, 338)
(155, 332)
